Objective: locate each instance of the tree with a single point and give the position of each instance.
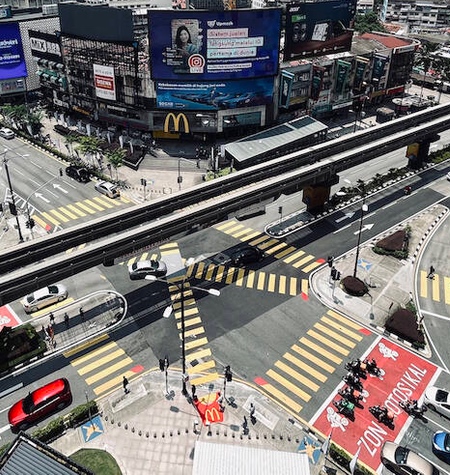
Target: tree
(425, 58)
(34, 120)
(90, 147)
(115, 158)
(368, 22)
(70, 139)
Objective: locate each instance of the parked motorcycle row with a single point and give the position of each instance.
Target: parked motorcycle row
(353, 394)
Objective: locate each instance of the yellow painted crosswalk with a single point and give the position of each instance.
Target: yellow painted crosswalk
(74, 211)
(299, 373)
(102, 367)
(436, 289)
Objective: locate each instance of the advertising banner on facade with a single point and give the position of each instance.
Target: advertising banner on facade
(317, 82)
(105, 87)
(220, 45)
(287, 79)
(319, 28)
(360, 73)
(343, 70)
(44, 45)
(214, 95)
(12, 61)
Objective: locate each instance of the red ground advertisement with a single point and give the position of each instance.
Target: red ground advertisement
(8, 318)
(406, 376)
(210, 407)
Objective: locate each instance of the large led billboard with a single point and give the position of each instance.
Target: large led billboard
(12, 61)
(221, 45)
(316, 29)
(214, 95)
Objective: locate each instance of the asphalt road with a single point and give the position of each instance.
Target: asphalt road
(54, 201)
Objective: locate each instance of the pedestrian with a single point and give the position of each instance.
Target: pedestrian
(220, 401)
(125, 384)
(431, 273)
(194, 390)
(82, 314)
(245, 425)
(66, 320)
(252, 413)
(52, 319)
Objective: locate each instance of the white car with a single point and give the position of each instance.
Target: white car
(438, 400)
(108, 189)
(44, 297)
(6, 133)
(403, 461)
(448, 176)
(141, 269)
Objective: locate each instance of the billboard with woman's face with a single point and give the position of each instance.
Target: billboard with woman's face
(206, 45)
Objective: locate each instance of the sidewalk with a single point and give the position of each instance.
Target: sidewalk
(149, 432)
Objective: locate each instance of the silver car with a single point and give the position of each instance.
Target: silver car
(6, 133)
(141, 269)
(44, 297)
(403, 461)
(108, 189)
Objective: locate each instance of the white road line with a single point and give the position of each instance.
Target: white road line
(4, 429)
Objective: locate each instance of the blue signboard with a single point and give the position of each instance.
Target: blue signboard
(12, 61)
(214, 95)
(204, 45)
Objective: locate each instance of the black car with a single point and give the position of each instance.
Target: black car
(78, 173)
(246, 255)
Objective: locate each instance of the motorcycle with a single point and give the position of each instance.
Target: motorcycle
(383, 415)
(372, 368)
(412, 408)
(353, 381)
(356, 367)
(346, 408)
(351, 395)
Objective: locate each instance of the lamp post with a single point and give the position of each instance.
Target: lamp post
(13, 200)
(181, 288)
(364, 209)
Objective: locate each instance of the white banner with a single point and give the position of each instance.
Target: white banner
(105, 87)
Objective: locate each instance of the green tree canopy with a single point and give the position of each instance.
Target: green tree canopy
(368, 22)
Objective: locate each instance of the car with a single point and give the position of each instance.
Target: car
(441, 445)
(7, 133)
(403, 461)
(141, 269)
(448, 176)
(78, 173)
(44, 297)
(39, 404)
(438, 400)
(246, 254)
(108, 189)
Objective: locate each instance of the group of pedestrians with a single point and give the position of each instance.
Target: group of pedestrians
(48, 331)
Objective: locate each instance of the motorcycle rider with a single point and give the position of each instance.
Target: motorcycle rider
(371, 365)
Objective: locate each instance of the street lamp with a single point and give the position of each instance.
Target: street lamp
(11, 191)
(181, 286)
(180, 178)
(364, 209)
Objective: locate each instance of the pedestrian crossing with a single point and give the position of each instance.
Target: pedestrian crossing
(250, 279)
(291, 255)
(102, 364)
(298, 375)
(198, 355)
(80, 209)
(437, 288)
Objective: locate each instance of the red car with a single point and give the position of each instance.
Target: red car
(39, 404)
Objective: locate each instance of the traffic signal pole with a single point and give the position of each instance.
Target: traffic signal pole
(13, 200)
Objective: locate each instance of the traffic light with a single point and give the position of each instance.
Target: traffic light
(333, 273)
(161, 364)
(143, 182)
(338, 276)
(12, 209)
(330, 260)
(228, 374)
(166, 362)
(30, 223)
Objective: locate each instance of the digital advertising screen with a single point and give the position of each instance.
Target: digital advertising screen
(220, 45)
(12, 61)
(214, 95)
(316, 29)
